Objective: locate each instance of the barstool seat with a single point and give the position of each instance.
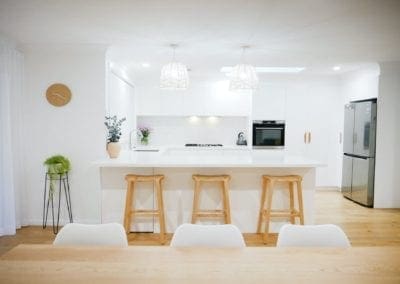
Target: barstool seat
(225, 211)
(158, 212)
(266, 211)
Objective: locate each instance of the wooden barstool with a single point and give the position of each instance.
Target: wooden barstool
(266, 211)
(225, 212)
(129, 210)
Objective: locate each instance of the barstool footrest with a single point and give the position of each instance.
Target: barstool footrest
(144, 213)
(210, 213)
(281, 213)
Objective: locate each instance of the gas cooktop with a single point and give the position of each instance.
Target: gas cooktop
(203, 145)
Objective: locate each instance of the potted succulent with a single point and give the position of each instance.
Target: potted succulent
(56, 165)
(113, 125)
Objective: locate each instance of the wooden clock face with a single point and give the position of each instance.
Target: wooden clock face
(58, 95)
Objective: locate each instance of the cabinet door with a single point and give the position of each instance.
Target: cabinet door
(200, 99)
(218, 100)
(171, 102)
(298, 109)
(315, 109)
(269, 102)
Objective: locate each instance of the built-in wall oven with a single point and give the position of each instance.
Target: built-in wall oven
(268, 133)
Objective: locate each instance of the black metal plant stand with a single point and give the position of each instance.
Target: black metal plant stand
(63, 185)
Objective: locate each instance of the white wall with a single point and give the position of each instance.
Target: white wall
(387, 168)
(361, 84)
(120, 101)
(179, 130)
(75, 130)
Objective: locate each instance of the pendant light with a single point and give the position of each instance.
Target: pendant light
(174, 75)
(243, 76)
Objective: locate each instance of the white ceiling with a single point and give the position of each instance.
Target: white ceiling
(312, 33)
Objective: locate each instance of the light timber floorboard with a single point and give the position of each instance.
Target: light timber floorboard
(364, 226)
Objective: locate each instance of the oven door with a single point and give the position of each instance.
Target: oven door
(268, 136)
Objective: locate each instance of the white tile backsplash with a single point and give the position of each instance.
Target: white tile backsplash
(168, 130)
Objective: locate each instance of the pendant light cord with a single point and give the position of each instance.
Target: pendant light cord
(242, 59)
(173, 46)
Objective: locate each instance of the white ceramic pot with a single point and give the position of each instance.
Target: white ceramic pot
(113, 149)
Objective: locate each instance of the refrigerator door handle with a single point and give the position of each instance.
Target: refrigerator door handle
(356, 156)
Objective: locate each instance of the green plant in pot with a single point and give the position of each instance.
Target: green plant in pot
(113, 125)
(56, 165)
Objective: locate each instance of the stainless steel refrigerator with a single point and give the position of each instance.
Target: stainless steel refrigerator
(359, 151)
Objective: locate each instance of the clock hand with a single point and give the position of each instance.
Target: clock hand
(59, 95)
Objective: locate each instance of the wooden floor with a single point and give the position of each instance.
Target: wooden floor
(363, 226)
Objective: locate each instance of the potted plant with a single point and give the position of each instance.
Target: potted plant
(113, 125)
(56, 165)
(144, 135)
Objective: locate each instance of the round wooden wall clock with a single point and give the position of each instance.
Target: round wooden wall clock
(58, 95)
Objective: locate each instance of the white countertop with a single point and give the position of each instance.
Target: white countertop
(227, 157)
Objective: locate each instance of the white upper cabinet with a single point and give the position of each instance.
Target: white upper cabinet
(269, 102)
(199, 99)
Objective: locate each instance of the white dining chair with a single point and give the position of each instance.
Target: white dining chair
(195, 235)
(112, 234)
(328, 235)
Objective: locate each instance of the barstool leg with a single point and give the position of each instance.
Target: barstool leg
(128, 207)
(160, 206)
(195, 201)
(261, 214)
(269, 192)
(291, 200)
(226, 202)
(300, 198)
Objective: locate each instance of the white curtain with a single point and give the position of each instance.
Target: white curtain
(11, 89)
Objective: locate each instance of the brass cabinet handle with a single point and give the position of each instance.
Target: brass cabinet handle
(309, 137)
(305, 137)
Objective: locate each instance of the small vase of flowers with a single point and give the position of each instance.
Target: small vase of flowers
(144, 133)
(113, 125)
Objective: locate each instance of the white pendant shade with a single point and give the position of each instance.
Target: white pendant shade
(174, 76)
(243, 77)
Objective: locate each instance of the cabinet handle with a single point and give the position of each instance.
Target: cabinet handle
(309, 137)
(305, 137)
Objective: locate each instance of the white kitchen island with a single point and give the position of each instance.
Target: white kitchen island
(245, 166)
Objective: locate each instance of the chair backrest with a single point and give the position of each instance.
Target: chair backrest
(191, 235)
(312, 236)
(112, 234)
